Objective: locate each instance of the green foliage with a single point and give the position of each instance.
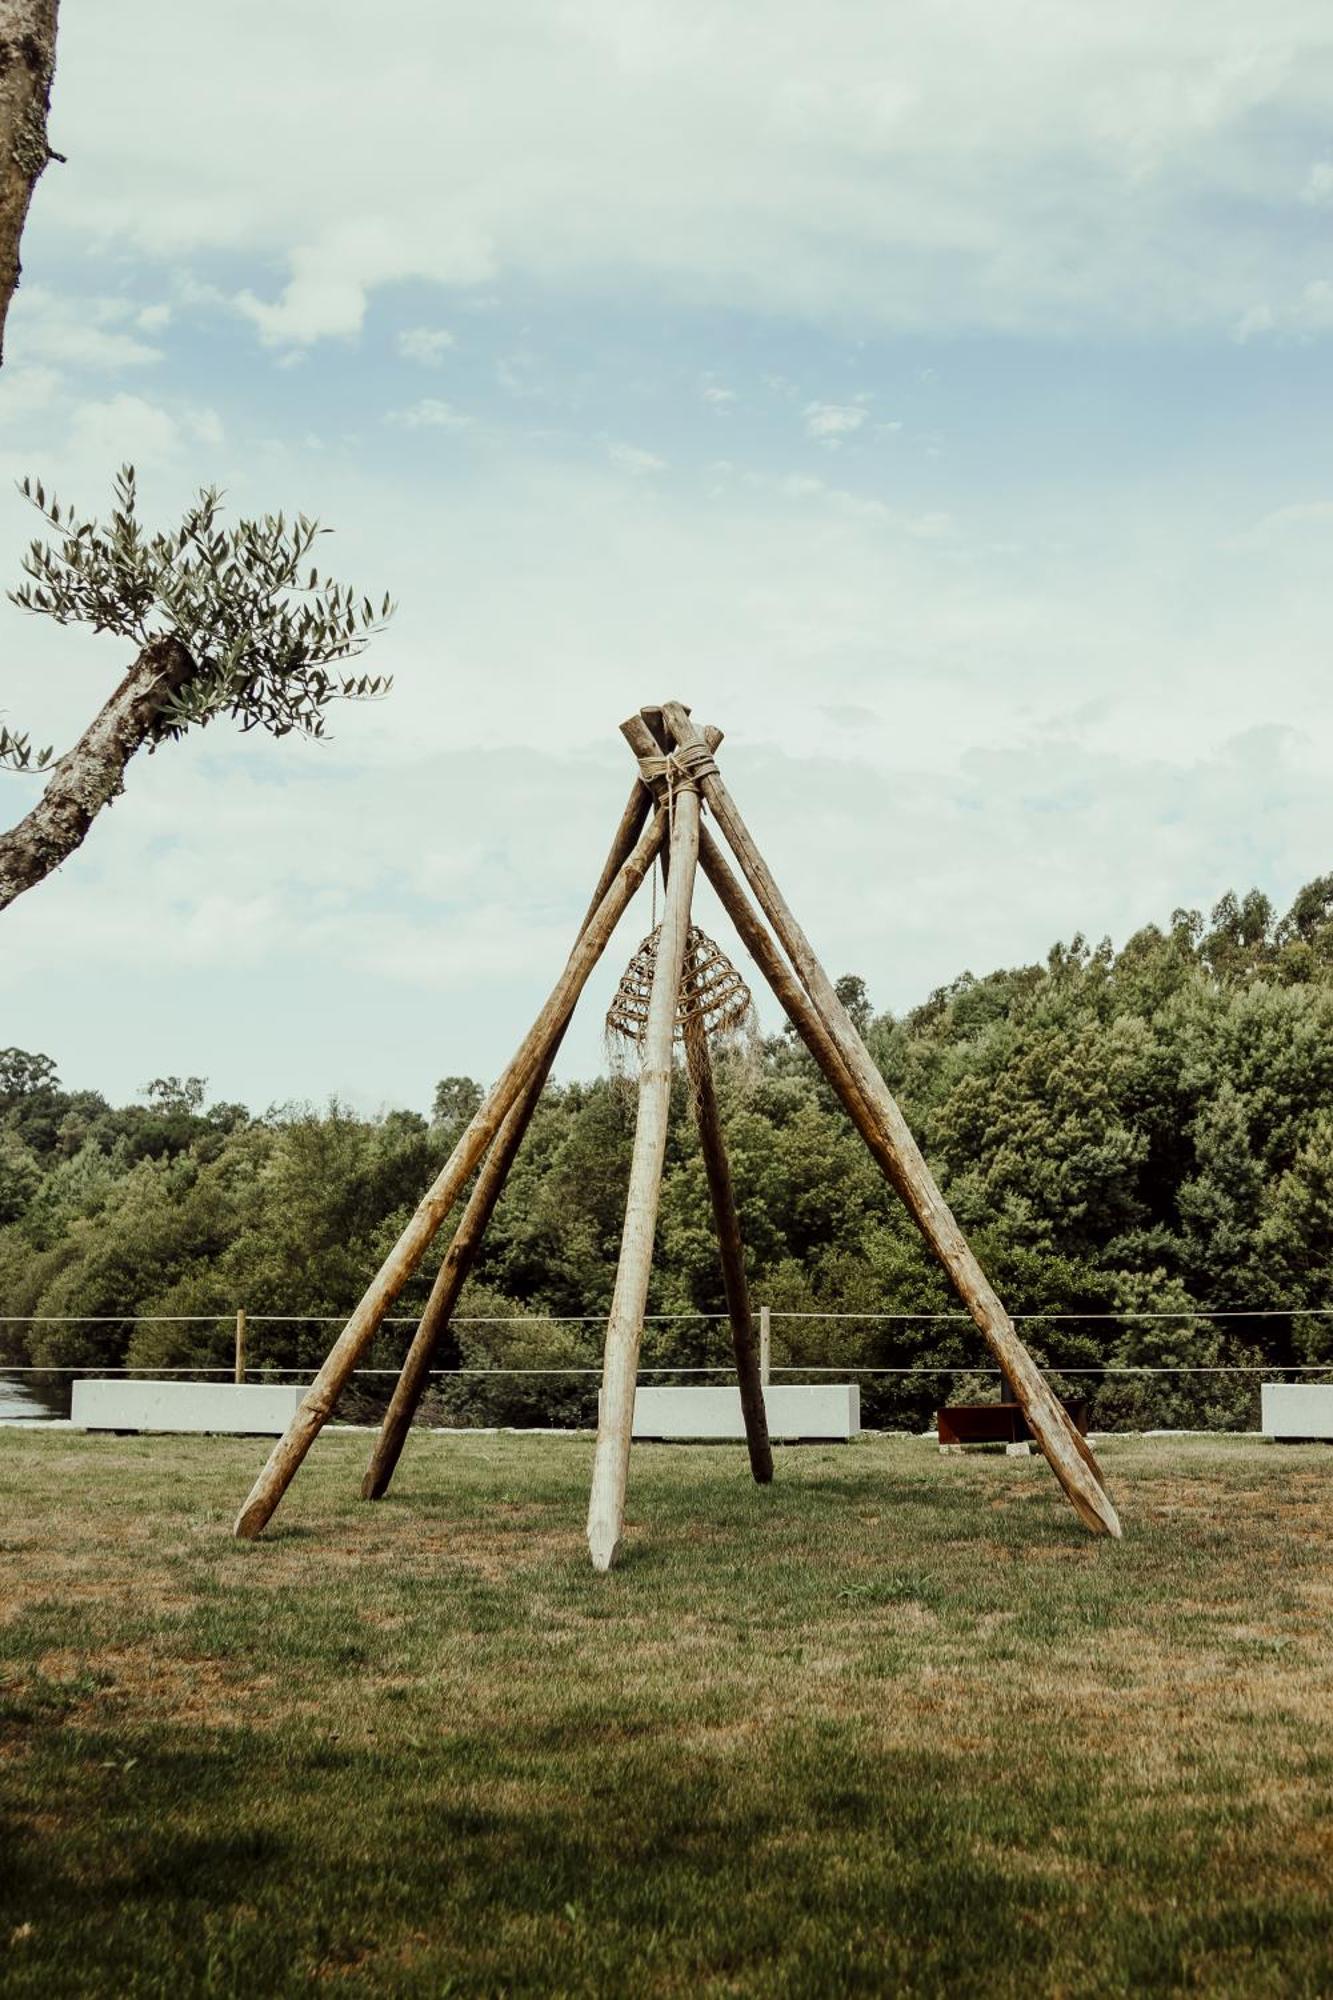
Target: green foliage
(1141, 1133)
(263, 627)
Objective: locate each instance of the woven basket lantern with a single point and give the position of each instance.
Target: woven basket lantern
(712, 992)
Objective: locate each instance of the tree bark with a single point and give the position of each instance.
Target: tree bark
(92, 774)
(722, 1190)
(462, 1252)
(606, 1507)
(27, 65)
(908, 1170)
(800, 1011)
(320, 1399)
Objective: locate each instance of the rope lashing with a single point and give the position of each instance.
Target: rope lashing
(681, 770)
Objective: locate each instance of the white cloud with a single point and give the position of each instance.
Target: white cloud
(934, 526)
(431, 413)
(831, 422)
(1308, 314)
(426, 344)
(1318, 190)
(1299, 519)
(1080, 167)
(333, 275)
(89, 333)
(801, 486)
(124, 427)
(203, 425)
(24, 390)
(631, 458)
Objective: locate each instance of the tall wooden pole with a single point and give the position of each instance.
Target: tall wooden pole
(800, 1011)
(720, 1188)
(462, 1252)
(240, 1344)
(824, 1024)
(651, 743)
(322, 1395)
(606, 1508)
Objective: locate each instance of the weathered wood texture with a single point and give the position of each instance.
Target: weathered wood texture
(857, 1079)
(606, 1509)
(647, 737)
(240, 1344)
(27, 66)
(398, 1266)
(730, 1248)
(423, 1353)
(800, 1010)
(92, 774)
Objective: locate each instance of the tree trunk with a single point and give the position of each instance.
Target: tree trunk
(92, 774)
(27, 65)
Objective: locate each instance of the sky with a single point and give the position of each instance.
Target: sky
(937, 398)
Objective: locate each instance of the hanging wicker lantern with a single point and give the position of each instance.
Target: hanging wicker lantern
(711, 991)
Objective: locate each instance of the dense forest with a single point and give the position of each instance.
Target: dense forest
(1148, 1132)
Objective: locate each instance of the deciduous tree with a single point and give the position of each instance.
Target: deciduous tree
(234, 622)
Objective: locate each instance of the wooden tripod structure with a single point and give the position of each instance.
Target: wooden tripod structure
(677, 776)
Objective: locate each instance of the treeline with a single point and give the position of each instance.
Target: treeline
(1148, 1132)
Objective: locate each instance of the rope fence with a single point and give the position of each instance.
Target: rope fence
(765, 1316)
(590, 1319)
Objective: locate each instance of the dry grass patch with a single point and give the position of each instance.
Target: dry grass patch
(893, 1720)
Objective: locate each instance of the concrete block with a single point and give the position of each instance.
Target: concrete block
(1296, 1409)
(798, 1410)
(245, 1409)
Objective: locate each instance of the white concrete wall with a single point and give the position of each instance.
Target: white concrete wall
(262, 1409)
(1296, 1409)
(798, 1410)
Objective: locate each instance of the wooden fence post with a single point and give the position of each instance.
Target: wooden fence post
(240, 1343)
(765, 1343)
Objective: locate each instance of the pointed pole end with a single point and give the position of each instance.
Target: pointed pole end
(1097, 1513)
(603, 1546)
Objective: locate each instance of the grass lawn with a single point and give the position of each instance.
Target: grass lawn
(896, 1725)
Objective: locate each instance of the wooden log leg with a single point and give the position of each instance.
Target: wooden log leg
(606, 1508)
(1073, 1462)
(462, 1252)
(720, 1187)
(449, 1282)
(322, 1395)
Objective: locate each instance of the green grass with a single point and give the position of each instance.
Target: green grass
(896, 1725)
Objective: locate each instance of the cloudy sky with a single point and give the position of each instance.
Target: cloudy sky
(937, 397)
